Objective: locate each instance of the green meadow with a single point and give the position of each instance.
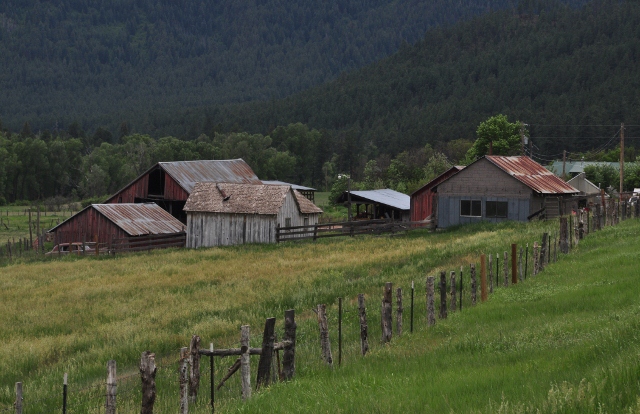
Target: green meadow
(564, 341)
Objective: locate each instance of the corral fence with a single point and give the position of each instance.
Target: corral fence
(346, 229)
(147, 242)
(443, 294)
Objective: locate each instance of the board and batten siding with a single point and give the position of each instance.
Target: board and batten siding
(223, 229)
(486, 182)
(208, 229)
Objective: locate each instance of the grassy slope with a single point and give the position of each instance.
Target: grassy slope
(74, 314)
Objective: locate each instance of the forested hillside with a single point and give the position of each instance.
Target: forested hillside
(565, 72)
(102, 63)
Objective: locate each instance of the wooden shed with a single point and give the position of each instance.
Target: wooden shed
(423, 199)
(378, 204)
(105, 222)
(221, 214)
(498, 188)
(169, 184)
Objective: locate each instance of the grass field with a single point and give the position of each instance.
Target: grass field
(564, 341)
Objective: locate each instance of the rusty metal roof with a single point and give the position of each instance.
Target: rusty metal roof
(532, 174)
(140, 219)
(188, 173)
(244, 199)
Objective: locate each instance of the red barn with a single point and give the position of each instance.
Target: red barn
(169, 184)
(422, 199)
(103, 222)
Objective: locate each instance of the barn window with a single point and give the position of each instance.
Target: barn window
(306, 221)
(471, 208)
(497, 209)
(287, 222)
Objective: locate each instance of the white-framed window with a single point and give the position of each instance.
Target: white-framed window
(496, 209)
(471, 208)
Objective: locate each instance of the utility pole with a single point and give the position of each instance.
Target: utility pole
(530, 148)
(564, 163)
(522, 138)
(621, 157)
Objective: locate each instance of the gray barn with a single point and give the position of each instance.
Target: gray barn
(497, 188)
(221, 214)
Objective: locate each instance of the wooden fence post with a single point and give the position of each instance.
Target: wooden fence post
(505, 269)
(473, 284)
(431, 311)
(194, 371)
(18, 403)
(212, 382)
(452, 281)
(483, 279)
(386, 319)
(289, 354)
(564, 235)
(536, 258)
(184, 380)
(110, 405)
(148, 371)
(399, 311)
(325, 344)
(443, 295)
(245, 359)
(364, 341)
(520, 273)
(266, 357)
(461, 272)
(490, 275)
(514, 264)
(497, 270)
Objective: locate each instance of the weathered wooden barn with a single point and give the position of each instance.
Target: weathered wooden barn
(497, 188)
(169, 184)
(104, 222)
(221, 214)
(423, 199)
(378, 204)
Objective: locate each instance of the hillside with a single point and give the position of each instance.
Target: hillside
(104, 63)
(570, 74)
(567, 336)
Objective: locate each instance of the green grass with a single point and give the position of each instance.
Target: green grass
(564, 341)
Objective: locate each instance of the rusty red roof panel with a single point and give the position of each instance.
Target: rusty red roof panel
(139, 219)
(532, 174)
(188, 173)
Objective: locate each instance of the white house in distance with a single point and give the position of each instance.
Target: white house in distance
(220, 214)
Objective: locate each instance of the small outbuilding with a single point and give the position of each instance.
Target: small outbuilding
(103, 223)
(220, 214)
(379, 204)
(498, 188)
(423, 199)
(305, 191)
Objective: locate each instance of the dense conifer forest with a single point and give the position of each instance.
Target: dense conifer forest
(570, 73)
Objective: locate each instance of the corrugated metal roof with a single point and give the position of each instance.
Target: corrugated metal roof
(532, 174)
(384, 196)
(244, 199)
(188, 173)
(294, 186)
(140, 219)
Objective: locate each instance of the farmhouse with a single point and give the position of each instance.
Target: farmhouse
(498, 188)
(226, 214)
(384, 203)
(104, 222)
(424, 198)
(169, 184)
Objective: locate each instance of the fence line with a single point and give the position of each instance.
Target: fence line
(582, 223)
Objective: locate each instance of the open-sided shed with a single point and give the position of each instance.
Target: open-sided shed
(227, 214)
(379, 204)
(169, 184)
(104, 222)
